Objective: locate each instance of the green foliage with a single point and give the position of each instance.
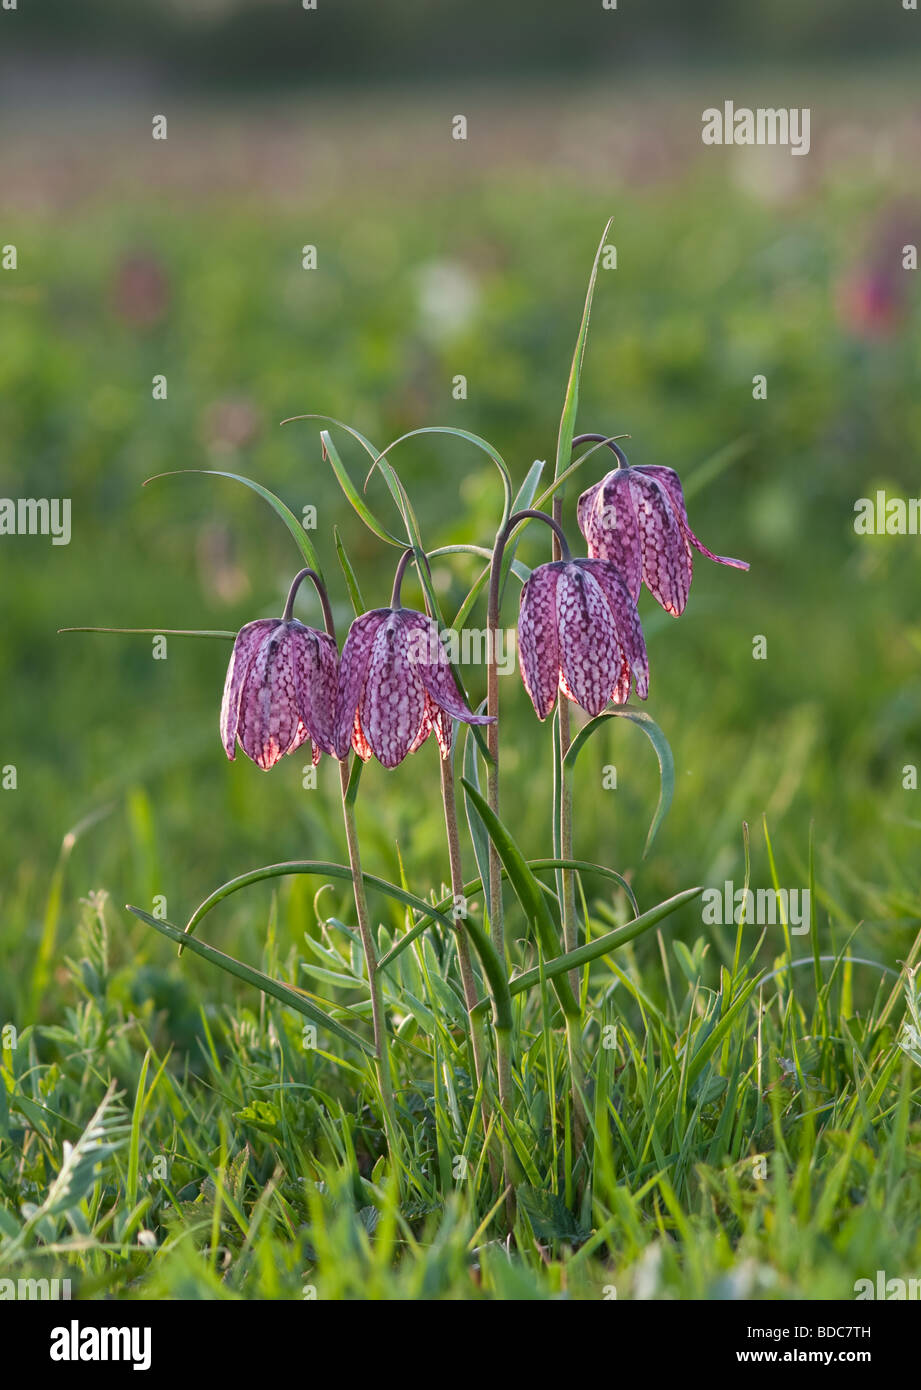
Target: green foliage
(214, 1153)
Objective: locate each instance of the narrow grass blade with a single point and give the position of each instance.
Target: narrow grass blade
(571, 402)
(663, 753)
(285, 994)
(301, 538)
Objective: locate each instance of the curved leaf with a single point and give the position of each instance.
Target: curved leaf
(662, 750)
(303, 541)
(331, 453)
(307, 866)
(351, 580)
(476, 439)
(494, 971)
(285, 994)
(476, 885)
(601, 945)
(157, 631)
(528, 890)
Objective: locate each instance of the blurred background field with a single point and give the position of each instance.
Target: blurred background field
(438, 257)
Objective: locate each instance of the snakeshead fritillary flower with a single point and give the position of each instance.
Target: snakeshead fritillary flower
(636, 518)
(579, 631)
(280, 691)
(395, 687)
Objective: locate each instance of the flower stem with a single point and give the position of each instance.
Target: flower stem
(599, 439)
(382, 1056)
(381, 1053)
(464, 958)
(496, 922)
(568, 887)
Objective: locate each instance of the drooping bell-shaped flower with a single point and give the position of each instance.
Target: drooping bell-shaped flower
(280, 689)
(635, 517)
(396, 685)
(579, 632)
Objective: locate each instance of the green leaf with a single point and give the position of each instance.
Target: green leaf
(528, 890)
(662, 751)
(306, 866)
(480, 443)
(601, 945)
(711, 1043)
(478, 834)
(331, 420)
(285, 994)
(158, 631)
(494, 970)
(571, 403)
(549, 1216)
(351, 582)
(523, 501)
(302, 540)
(331, 453)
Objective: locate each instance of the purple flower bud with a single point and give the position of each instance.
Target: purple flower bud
(636, 518)
(579, 632)
(280, 690)
(395, 688)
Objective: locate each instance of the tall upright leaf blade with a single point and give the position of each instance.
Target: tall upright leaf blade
(528, 890)
(571, 403)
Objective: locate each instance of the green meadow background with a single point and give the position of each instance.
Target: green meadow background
(436, 258)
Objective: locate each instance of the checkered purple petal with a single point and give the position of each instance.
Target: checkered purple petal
(608, 521)
(392, 705)
(353, 670)
(538, 637)
(270, 723)
(590, 656)
(244, 650)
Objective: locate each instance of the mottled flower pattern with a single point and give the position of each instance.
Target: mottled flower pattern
(636, 519)
(395, 688)
(280, 691)
(579, 632)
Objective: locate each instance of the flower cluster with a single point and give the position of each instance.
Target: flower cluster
(392, 687)
(579, 632)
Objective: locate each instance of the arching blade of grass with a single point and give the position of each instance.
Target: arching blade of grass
(476, 885)
(285, 994)
(301, 538)
(601, 945)
(662, 750)
(476, 439)
(157, 631)
(571, 402)
(351, 580)
(303, 866)
(331, 453)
